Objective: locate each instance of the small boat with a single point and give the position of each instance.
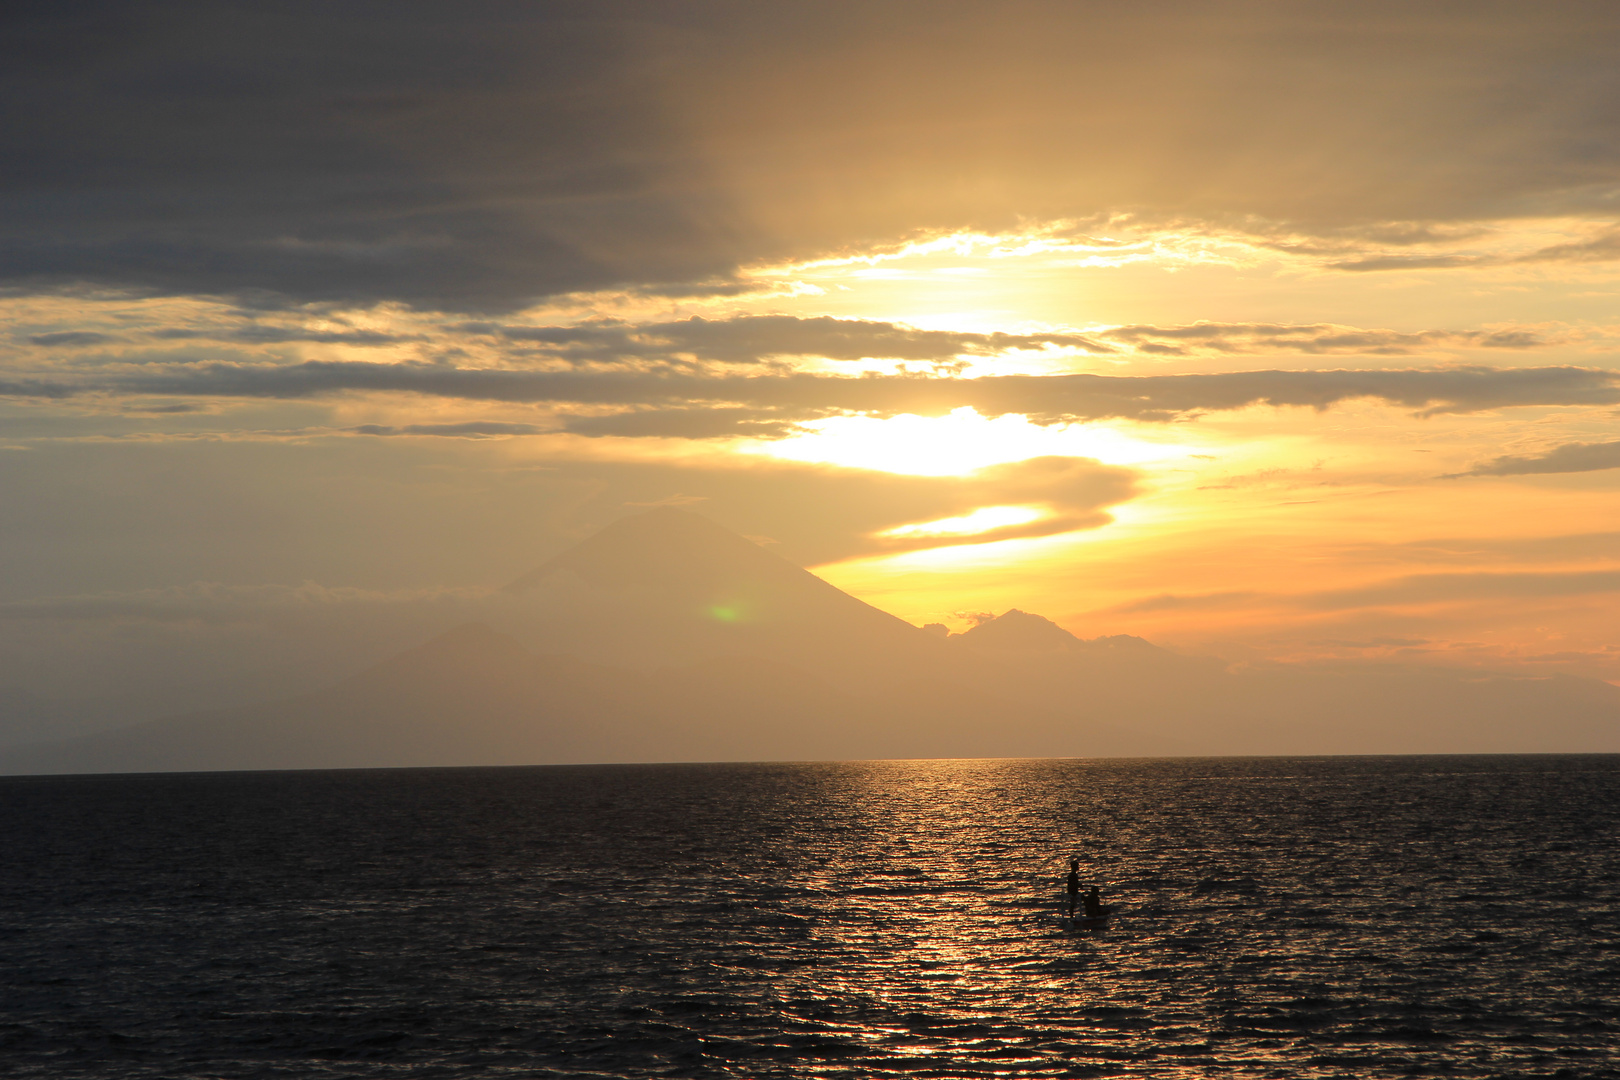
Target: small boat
(1087, 922)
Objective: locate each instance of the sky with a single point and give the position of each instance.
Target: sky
(1279, 332)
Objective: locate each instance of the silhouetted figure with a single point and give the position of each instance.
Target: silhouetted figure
(1094, 904)
(1074, 885)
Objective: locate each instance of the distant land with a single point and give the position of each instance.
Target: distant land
(666, 637)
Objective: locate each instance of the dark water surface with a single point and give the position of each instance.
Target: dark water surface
(1327, 917)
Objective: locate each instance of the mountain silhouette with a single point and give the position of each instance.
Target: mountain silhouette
(1019, 631)
(665, 637)
(671, 587)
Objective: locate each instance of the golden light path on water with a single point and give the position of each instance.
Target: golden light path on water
(1275, 917)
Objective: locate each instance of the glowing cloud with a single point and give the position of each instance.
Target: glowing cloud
(957, 443)
(981, 520)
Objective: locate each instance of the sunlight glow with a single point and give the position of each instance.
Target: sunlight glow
(959, 442)
(981, 520)
(1057, 237)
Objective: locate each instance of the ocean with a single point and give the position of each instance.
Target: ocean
(1279, 917)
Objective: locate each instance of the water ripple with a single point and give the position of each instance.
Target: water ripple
(1279, 918)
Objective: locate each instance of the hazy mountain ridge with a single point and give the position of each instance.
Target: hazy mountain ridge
(477, 696)
(724, 651)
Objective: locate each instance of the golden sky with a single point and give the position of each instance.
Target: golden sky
(1268, 331)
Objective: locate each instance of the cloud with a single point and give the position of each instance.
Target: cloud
(1409, 262)
(821, 514)
(1387, 642)
(173, 407)
(698, 347)
(784, 398)
(1219, 601)
(1568, 458)
(511, 152)
(71, 339)
(1603, 248)
(1567, 548)
(1318, 338)
(38, 388)
(257, 334)
(1441, 588)
(472, 163)
(698, 290)
(473, 429)
(750, 339)
(1072, 491)
(698, 423)
(1408, 590)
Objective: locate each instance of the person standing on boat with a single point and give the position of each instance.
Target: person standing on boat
(1074, 885)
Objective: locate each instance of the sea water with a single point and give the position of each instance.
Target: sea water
(1307, 917)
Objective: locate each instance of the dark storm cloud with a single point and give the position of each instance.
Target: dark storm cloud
(477, 157)
(1569, 458)
(446, 156)
(1044, 398)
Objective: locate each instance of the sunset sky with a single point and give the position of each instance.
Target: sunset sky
(1273, 331)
